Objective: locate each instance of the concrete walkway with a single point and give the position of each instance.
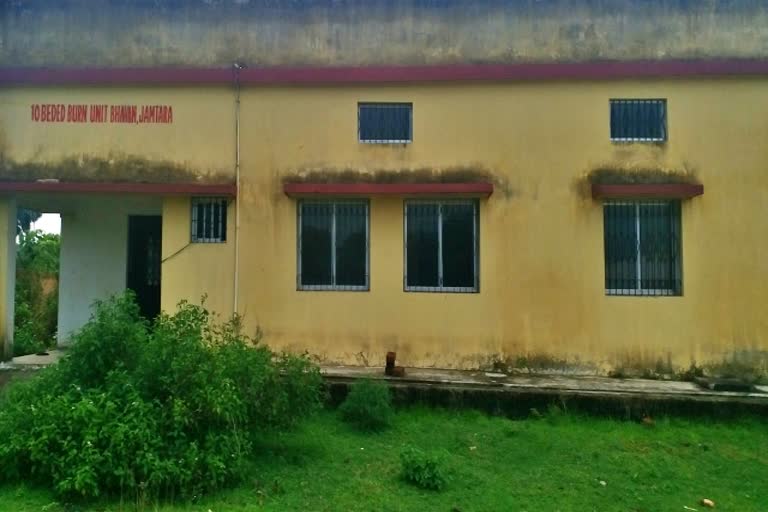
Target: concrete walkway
(38, 360)
(512, 387)
(556, 385)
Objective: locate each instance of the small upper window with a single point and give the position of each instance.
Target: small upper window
(209, 220)
(385, 123)
(639, 120)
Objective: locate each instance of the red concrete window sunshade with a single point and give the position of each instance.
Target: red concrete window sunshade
(404, 189)
(646, 190)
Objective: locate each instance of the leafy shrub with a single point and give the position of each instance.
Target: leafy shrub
(164, 411)
(36, 310)
(29, 336)
(368, 406)
(422, 469)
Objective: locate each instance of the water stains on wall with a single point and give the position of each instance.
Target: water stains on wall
(307, 32)
(113, 168)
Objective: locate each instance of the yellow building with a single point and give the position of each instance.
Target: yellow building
(572, 212)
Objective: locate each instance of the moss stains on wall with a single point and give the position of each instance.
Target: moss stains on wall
(369, 32)
(113, 168)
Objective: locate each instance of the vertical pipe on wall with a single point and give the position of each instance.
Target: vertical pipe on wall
(236, 272)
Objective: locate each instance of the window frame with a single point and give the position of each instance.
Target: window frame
(193, 220)
(334, 287)
(639, 291)
(475, 247)
(665, 120)
(360, 138)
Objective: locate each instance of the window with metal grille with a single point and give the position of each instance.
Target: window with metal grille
(385, 123)
(642, 248)
(639, 120)
(209, 219)
(333, 245)
(441, 246)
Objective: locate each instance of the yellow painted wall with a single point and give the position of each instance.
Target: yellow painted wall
(191, 271)
(200, 141)
(541, 246)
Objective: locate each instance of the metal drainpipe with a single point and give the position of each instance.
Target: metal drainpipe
(236, 276)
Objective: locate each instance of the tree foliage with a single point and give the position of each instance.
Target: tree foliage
(36, 303)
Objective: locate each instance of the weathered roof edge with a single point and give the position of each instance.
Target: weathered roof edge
(597, 70)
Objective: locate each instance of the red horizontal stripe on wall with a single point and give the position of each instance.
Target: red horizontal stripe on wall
(672, 190)
(367, 189)
(166, 189)
(602, 70)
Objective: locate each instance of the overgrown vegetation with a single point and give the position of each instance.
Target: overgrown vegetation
(368, 406)
(134, 411)
(422, 469)
(612, 176)
(494, 464)
(37, 298)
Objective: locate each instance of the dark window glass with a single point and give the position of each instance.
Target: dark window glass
(642, 248)
(423, 245)
(209, 220)
(458, 245)
(658, 245)
(316, 244)
(351, 244)
(620, 246)
(384, 122)
(441, 246)
(333, 245)
(639, 120)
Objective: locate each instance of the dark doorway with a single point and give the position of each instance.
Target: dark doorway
(144, 243)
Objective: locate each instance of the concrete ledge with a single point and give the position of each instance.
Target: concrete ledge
(397, 189)
(516, 395)
(313, 75)
(647, 190)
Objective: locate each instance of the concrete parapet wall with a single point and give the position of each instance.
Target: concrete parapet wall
(374, 32)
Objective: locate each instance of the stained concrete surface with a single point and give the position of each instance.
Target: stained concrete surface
(37, 360)
(370, 32)
(577, 386)
(477, 381)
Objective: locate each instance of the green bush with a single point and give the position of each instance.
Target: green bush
(29, 336)
(368, 406)
(35, 316)
(172, 410)
(422, 469)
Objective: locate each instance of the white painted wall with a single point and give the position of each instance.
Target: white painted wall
(94, 250)
(7, 275)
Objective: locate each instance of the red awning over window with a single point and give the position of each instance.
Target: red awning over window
(84, 187)
(401, 189)
(647, 190)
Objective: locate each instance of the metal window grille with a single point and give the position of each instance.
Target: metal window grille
(385, 123)
(333, 245)
(209, 220)
(642, 248)
(639, 120)
(441, 246)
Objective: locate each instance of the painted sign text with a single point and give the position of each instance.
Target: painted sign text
(92, 113)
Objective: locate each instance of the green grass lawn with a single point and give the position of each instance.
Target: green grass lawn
(557, 463)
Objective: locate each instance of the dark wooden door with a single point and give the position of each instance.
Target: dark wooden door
(143, 276)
